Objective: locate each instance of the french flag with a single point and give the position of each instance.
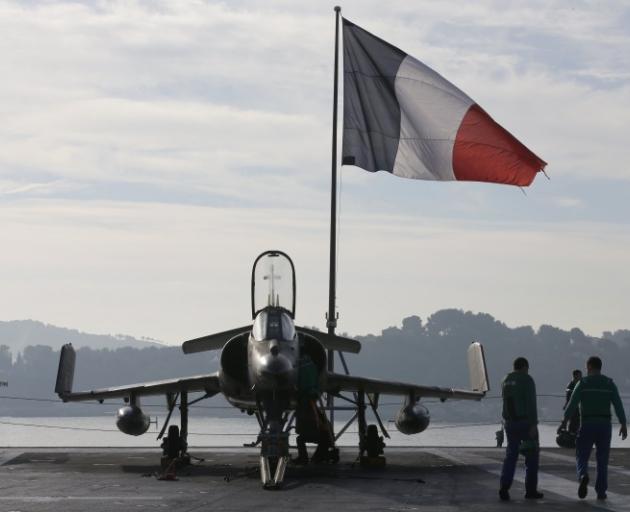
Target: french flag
(402, 117)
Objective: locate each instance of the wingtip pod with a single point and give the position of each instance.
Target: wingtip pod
(477, 368)
(65, 372)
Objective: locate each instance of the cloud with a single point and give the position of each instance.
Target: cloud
(174, 272)
(149, 150)
(187, 94)
(568, 202)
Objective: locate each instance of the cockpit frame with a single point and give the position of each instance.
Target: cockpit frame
(272, 253)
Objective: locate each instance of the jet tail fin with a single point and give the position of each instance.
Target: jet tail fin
(65, 372)
(477, 368)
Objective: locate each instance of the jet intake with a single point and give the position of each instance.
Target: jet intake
(132, 421)
(412, 419)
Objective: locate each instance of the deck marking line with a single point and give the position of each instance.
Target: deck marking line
(548, 482)
(6, 456)
(51, 499)
(568, 458)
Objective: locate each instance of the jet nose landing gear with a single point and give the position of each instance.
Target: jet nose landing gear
(274, 455)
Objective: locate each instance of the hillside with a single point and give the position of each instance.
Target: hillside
(432, 352)
(19, 334)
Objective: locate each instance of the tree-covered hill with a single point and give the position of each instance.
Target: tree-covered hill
(432, 352)
(19, 334)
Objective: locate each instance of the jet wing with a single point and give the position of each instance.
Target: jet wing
(217, 341)
(207, 383)
(332, 341)
(337, 382)
(479, 383)
(213, 341)
(65, 375)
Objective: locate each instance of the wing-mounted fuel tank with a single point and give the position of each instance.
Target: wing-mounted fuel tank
(412, 418)
(132, 421)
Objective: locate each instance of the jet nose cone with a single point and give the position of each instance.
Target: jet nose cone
(275, 372)
(276, 364)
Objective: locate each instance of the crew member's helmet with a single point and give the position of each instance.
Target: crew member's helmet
(565, 439)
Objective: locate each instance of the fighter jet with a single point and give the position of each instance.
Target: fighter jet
(258, 374)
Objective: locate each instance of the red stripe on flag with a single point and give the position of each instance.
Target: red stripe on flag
(485, 151)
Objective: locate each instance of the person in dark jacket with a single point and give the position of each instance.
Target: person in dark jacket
(594, 395)
(574, 422)
(306, 417)
(521, 427)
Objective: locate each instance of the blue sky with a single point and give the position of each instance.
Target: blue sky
(150, 150)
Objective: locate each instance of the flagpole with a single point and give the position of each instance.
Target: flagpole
(331, 321)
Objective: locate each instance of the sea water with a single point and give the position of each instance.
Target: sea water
(101, 431)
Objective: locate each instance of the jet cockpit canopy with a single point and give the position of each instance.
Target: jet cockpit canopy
(273, 283)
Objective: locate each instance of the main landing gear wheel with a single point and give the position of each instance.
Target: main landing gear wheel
(173, 449)
(374, 447)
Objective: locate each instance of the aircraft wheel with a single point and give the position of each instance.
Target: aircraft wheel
(173, 442)
(374, 443)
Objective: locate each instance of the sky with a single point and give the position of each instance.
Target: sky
(149, 151)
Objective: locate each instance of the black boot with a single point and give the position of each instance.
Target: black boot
(302, 458)
(583, 488)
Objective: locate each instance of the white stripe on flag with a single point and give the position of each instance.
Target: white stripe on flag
(431, 110)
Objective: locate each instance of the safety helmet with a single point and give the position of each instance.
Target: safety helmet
(565, 439)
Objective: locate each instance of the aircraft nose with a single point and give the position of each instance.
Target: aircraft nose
(276, 363)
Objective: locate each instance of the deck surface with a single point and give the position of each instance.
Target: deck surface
(436, 479)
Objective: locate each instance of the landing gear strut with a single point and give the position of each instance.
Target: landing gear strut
(175, 444)
(371, 445)
(274, 442)
(274, 455)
